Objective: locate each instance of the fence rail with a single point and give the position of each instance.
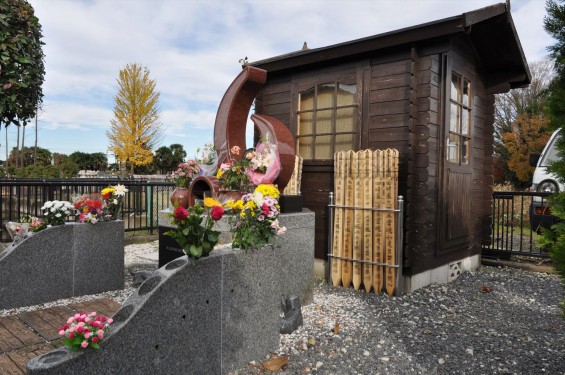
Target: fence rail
(516, 225)
(140, 208)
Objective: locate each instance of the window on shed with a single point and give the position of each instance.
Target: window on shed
(326, 120)
(458, 140)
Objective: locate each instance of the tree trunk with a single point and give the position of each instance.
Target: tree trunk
(17, 147)
(22, 156)
(35, 148)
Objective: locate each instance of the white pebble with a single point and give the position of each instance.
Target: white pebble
(441, 361)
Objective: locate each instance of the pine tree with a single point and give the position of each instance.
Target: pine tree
(554, 24)
(136, 127)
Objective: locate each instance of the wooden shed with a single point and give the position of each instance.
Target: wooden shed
(427, 91)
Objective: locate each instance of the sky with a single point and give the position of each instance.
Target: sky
(192, 49)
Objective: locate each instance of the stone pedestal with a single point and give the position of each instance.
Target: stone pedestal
(63, 261)
(207, 318)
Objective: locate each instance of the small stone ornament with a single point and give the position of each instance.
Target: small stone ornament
(292, 315)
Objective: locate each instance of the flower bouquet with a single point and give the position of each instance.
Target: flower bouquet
(265, 164)
(185, 173)
(113, 198)
(35, 224)
(82, 330)
(17, 229)
(89, 208)
(57, 212)
(207, 158)
(232, 175)
(256, 218)
(194, 232)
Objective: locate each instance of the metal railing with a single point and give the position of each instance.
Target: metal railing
(516, 225)
(399, 243)
(140, 208)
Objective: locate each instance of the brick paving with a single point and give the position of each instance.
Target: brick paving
(29, 334)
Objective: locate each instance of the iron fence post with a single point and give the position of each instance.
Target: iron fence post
(399, 246)
(330, 236)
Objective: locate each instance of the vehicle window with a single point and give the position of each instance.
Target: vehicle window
(551, 155)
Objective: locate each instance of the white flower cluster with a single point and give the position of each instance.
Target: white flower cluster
(57, 208)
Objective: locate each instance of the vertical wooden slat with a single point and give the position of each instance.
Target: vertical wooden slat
(367, 182)
(338, 217)
(347, 266)
(391, 165)
(358, 201)
(378, 235)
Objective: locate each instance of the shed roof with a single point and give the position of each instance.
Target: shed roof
(490, 31)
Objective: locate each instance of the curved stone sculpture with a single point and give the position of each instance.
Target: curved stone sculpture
(231, 120)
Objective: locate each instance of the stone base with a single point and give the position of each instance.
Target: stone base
(209, 318)
(61, 262)
(442, 275)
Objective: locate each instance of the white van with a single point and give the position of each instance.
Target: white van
(544, 182)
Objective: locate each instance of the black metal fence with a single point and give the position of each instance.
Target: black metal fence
(140, 210)
(517, 221)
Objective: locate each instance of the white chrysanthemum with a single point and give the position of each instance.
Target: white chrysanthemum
(47, 205)
(120, 190)
(58, 214)
(258, 198)
(58, 204)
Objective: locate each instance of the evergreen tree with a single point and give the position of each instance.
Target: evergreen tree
(21, 63)
(136, 127)
(554, 24)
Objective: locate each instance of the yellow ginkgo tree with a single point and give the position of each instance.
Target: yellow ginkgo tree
(136, 126)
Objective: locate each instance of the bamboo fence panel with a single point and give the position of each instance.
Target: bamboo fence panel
(293, 186)
(364, 241)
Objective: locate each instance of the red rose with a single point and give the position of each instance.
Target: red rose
(217, 213)
(107, 195)
(180, 213)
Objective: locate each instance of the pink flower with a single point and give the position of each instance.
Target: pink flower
(71, 319)
(281, 231)
(80, 330)
(84, 344)
(62, 332)
(71, 335)
(217, 213)
(180, 214)
(110, 320)
(100, 334)
(235, 150)
(87, 335)
(261, 217)
(87, 319)
(95, 339)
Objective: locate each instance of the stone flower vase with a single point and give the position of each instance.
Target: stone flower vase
(179, 197)
(229, 195)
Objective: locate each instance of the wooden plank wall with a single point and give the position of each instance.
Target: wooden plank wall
(404, 113)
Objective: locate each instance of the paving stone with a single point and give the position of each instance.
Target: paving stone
(47, 322)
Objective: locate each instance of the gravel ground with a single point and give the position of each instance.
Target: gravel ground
(491, 321)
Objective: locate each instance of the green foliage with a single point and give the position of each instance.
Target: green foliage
(554, 24)
(94, 162)
(168, 158)
(21, 62)
(43, 156)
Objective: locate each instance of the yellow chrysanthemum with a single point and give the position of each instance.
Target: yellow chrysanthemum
(211, 202)
(108, 190)
(242, 214)
(220, 173)
(270, 190)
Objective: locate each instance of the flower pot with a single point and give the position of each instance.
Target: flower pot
(227, 195)
(179, 197)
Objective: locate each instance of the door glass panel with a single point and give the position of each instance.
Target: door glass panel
(344, 142)
(306, 101)
(453, 148)
(345, 121)
(305, 126)
(455, 87)
(324, 121)
(325, 96)
(454, 118)
(323, 147)
(466, 123)
(466, 93)
(465, 151)
(305, 147)
(346, 94)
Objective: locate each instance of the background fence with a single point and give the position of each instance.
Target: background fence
(516, 226)
(140, 209)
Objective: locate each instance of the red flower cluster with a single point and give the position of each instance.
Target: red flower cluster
(180, 213)
(217, 213)
(83, 330)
